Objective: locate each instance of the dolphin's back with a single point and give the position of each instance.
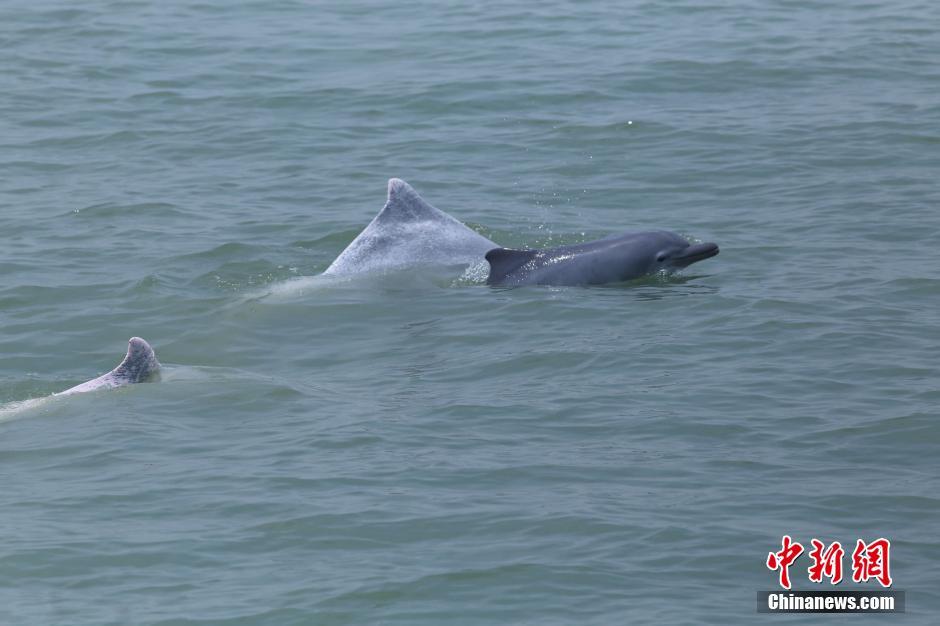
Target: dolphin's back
(505, 261)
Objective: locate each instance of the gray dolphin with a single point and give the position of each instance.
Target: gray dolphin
(139, 365)
(409, 232)
(612, 259)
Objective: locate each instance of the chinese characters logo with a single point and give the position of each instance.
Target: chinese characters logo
(869, 560)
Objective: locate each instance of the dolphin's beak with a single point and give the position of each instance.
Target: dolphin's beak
(695, 253)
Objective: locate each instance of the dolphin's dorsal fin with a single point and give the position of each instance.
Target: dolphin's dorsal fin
(139, 363)
(504, 261)
(409, 232)
(405, 205)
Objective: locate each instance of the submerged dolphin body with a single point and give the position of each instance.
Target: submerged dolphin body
(612, 259)
(139, 365)
(409, 232)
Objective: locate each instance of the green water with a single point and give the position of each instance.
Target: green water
(423, 449)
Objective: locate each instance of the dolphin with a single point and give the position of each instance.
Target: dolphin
(409, 232)
(139, 365)
(612, 259)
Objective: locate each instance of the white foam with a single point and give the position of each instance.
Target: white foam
(475, 274)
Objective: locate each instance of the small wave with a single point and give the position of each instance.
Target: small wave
(21, 408)
(112, 210)
(297, 287)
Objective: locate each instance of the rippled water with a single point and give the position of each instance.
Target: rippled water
(420, 448)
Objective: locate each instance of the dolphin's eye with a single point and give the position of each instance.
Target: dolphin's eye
(661, 257)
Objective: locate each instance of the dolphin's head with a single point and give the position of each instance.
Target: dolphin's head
(674, 252)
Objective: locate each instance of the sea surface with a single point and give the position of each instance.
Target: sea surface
(417, 448)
